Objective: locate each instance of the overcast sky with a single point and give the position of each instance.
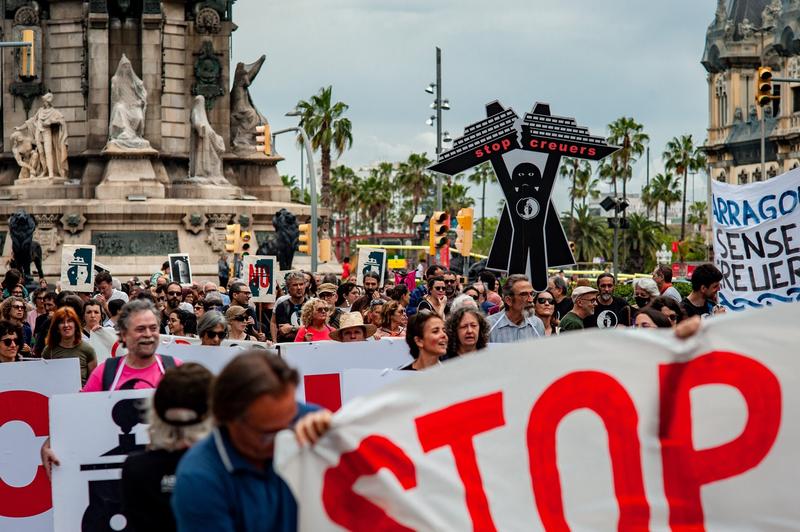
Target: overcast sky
(592, 60)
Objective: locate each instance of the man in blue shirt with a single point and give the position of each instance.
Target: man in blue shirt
(226, 482)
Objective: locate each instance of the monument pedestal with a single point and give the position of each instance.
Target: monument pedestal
(37, 188)
(258, 175)
(203, 188)
(127, 173)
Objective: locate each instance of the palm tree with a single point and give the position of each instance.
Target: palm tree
(698, 212)
(682, 156)
(480, 175)
(344, 189)
(414, 178)
(570, 169)
(628, 134)
(649, 200)
(665, 189)
(327, 129)
(295, 194)
(590, 235)
(586, 186)
(642, 242)
(456, 196)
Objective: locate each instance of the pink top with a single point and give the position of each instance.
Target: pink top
(150, 377)
(316, 336)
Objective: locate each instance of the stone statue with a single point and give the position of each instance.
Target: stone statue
(721, 15)
(284, 242)
(21, 226)
(771, 14)
(40, 144)
(205, 146)
(128, 106)
(244, 115)
(746, 28)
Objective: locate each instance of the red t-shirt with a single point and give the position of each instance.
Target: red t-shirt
(345, 271)
(316, 336)
(150, 376)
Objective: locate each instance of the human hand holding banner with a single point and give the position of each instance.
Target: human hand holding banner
(623, 435)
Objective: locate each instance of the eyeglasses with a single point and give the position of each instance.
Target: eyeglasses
(450, 281)
(248, 294)
(214, 334)
(265, 437)
(544, 300)
(18, 307)
(592, 301)
(524, 294)
(39, 298)
(10, 341)
(173, 293)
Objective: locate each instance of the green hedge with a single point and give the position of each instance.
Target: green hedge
(625, 291)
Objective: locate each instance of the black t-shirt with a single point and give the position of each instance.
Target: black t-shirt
(618, 312)
(692, 310)
(287, 312)
(563, 307)
(148, 479)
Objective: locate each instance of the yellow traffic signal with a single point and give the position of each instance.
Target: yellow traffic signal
(263, 139)
(304, 239)
(325, 249)
(464, 231)
(439, 227)
(244, 242)
(232, 241)
(764, 86)
(27, 59)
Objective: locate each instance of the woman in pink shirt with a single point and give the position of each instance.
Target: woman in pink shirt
(314, 317)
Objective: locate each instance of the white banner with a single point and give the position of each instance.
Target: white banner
(321, 365)
(25, 389)
(757, 241)
(86, 486)
(624, 429)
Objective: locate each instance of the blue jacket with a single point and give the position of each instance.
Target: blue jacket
(414, 299)
(217, 489)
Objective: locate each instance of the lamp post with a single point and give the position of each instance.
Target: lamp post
(312, 185)
(438, 105)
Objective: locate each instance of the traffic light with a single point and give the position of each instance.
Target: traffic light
(263, 139)
(304, 239)
(27, 62)
(244, 242)
(439, 227)
(464, 231)
(232, 235)
(325, 249)
(764, 86)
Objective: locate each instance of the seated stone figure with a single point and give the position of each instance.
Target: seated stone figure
(128, 106)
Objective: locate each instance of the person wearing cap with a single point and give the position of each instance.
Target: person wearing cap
(178, 418)
(584, 299)
(352, 328)
(314, 317)
(517, 322)
(327, 293)
(238, 319)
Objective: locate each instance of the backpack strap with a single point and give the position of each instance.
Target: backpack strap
(167, 361)
(110, 371)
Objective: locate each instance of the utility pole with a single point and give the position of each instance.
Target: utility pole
(438, 124)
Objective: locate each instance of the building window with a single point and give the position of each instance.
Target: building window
(743, 177)
(722, 101)
(776, 103)
(796, 99)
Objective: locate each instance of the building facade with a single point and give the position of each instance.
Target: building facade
(744, 35)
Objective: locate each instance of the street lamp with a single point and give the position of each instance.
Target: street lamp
(439, 105)
(296, 112)
(311, 182)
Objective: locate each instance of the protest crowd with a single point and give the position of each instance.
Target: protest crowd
(208, 465)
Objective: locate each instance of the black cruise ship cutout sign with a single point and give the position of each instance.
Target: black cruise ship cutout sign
(525, 154)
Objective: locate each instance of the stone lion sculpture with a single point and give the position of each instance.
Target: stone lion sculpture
(284, 242)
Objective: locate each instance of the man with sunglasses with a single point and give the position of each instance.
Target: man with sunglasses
(227, 480)
(584, 300)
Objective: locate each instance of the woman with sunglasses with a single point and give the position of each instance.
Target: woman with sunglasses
(64, 340)
(544, 306)
(427, 340)
(237, 323)
(393, 321)
(15, 310)
(436, 299)
(212, 328)
(314, 320)
(10, 339)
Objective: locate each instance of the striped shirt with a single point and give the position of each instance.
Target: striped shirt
(504, 331)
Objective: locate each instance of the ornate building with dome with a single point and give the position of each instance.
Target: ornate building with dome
(742, 32)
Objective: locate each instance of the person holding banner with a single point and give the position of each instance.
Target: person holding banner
(10, 340)
(427, 340)
(314, 317)
(64, 340)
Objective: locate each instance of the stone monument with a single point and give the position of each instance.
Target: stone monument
(143, 100)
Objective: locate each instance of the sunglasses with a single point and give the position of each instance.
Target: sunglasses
(213, 334)
(174, 293)
(18, 307)
(544, 300)
(438, 287)
(10, 341)
(450, 282)
(323, 309)
(240, 318)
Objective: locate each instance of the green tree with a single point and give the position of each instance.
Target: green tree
(296, 195)
(630, 135)
(414, 178)
(586, 185)
(642, 242)
(682, 157)
(327, 129)
(344, 188)
(570, 169)
(698, 212)
(483, 244)
(482, 174)
(666, 190)
(456, 196)
(375, 197)
(590, 235)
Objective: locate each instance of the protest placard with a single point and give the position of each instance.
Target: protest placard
(321, 363)
(180, 269)
(260, 273)
(25, 389)
(86, 485)
(77, 268)
(756, 232)
(633, 430)
(371, 260)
